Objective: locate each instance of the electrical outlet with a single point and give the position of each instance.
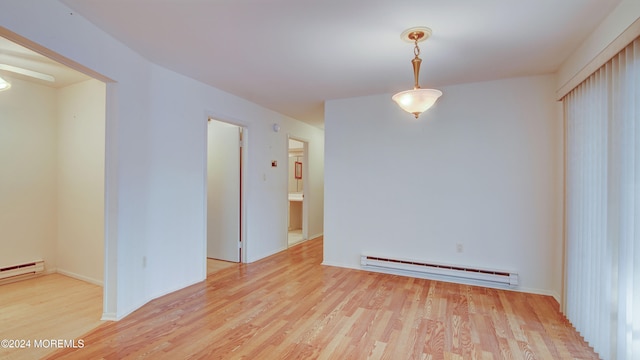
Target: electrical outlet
(459, 248)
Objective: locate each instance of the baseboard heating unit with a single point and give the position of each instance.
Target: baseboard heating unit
(21, 270)
(494, 276)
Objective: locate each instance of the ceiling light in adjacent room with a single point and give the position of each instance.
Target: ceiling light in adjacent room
(4, 84)
(417, 100)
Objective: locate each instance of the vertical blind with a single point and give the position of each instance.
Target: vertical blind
(603, 207)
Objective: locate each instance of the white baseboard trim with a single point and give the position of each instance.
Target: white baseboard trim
(169, 291)
(109, 317)
(541, 292)
(266, 255)
(71, 274)
(315, 236)
(117, 317)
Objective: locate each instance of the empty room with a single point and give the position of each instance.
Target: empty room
(467, 187)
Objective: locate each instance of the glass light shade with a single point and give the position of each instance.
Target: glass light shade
(4, 84)
(417, 100)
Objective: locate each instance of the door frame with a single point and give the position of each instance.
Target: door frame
(305, 186)
(243, 171)
(110, 187)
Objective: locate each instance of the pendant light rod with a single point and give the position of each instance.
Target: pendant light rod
(416, 36)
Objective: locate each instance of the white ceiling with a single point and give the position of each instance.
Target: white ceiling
(292, 55)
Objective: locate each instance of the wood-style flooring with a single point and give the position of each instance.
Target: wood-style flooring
(214, 265)
(53, 307)
(289, 306)
(44, 308)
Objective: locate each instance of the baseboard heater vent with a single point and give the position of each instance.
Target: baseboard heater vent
(495, 276)
(30, 268)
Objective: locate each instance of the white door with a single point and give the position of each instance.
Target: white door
(223, 191)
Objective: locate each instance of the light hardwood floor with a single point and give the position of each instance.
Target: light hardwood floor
(214, 265)
(44, 308)
(288, 306)
(53, 307)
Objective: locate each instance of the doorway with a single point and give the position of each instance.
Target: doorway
(54, 190)
(224, 193)
(296, 182)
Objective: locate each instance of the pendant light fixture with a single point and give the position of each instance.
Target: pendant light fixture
(417, 100)
(4, 84)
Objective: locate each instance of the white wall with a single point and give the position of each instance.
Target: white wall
(155, 161)
(52, 152)
(28, 208)
(482, 168)
(187, 106)
(80, 181)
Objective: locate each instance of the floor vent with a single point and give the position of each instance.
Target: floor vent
(21, 270)
(494, 276)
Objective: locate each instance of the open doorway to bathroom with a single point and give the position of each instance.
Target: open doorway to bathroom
(297, 224)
